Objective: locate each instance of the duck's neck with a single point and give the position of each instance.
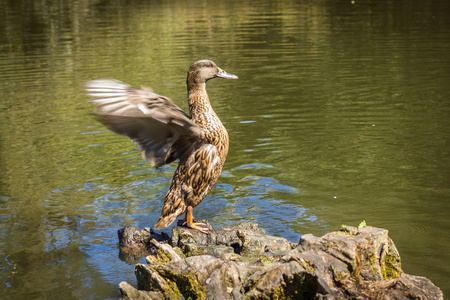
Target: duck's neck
(198, 100)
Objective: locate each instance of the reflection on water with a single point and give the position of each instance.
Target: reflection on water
(340, 114)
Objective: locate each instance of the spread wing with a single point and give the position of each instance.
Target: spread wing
(161, 130)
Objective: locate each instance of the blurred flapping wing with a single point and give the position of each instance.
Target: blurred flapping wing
(161, 130)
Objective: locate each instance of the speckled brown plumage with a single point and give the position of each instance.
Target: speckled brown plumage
(164, 133)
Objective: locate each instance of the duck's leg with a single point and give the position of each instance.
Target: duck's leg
(189, 221)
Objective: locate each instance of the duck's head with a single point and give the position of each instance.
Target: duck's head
(204, 70)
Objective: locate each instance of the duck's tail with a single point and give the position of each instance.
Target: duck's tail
(163, 222)
(170, 212)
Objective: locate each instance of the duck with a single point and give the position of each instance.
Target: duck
(164, 133)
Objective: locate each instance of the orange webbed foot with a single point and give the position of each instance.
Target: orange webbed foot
(189, 222)
(199, 226)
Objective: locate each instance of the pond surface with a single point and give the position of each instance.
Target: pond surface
(341, 114)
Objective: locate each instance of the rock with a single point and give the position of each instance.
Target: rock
(130, 293)
(243, 262)
(225, 236)
(192, 249)
(260, 243)
(278, 281)
(135, 244)
(182, 235)
(165, 253)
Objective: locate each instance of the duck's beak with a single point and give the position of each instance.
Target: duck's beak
(223, 74)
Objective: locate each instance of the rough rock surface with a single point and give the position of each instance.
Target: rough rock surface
(244, 263)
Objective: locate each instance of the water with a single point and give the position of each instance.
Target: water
(340, 114)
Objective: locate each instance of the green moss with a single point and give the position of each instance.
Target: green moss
(391, 264)
(265, 261)
(289, 289)
(338, 277)
(193, 288)
(186, 285)
(390, 271)
(280, 293)
(308, 267)
(362, 224)
(162, 257)
(371, 263)
(179, 252)
(390, 261)
(173, 290)
(297, 286)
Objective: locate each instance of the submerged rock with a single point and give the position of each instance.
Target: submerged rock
(243, 262)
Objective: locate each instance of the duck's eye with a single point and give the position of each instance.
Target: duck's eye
(208, 65)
